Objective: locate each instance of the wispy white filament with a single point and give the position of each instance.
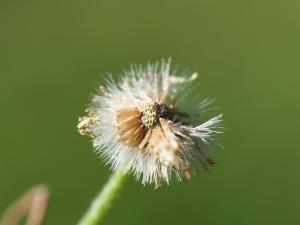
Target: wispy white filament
(208, 130)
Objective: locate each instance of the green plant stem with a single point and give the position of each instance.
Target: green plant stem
(104, 199)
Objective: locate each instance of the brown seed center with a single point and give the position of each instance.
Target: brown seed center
(151, 112)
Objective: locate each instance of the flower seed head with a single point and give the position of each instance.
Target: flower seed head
(148, 121)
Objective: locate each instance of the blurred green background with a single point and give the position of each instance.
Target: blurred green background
(52, 55)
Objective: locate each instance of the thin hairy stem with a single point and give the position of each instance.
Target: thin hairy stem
(104, 199)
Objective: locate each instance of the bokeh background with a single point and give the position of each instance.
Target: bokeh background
(53, 55)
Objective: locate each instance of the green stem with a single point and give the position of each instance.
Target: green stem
(104, 199)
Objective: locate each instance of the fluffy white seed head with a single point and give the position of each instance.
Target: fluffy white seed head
(144, 121)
